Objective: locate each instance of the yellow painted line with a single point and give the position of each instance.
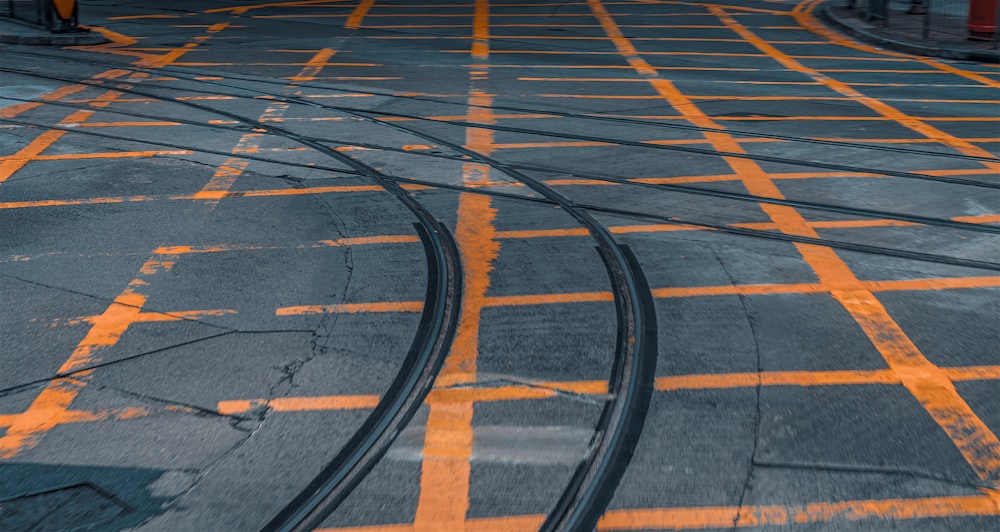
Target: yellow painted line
(625, 67)
(84, 416)
(879, 106)
(13, 110)
(786, 515)
(109, 155)
(416, 26)
(311, 15)
(463, 117)
(122, 124)
(698, 518)
(314, 66)
(445, 476)
(300, 404)
(639, 80)
(243, 9)
(902, 141)
(200, 64)
(554, 182)
(178, 52)
(117, 39)
(351, 308)
(142, 17)
(198, 98)
(340, 242)
(803, 15)
(55, 95)
(93, 101)
(559, 233)
(52, 405)
(926, 382)
(12, 163)
(360, 78)
(828, 118)
(532, 390)
(290, 64)
(354, 21)
(227, 174)
(203, 195)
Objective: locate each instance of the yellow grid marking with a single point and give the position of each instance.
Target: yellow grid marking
(449, 434)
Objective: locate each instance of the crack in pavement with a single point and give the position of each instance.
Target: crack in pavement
(111, 300)
(589, 398)
(39, 382)
(748, 481)
(879, 470)
(174, 406)
(207, 470)
(164, 144)
(322, 333)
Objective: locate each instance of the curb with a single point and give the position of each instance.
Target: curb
(13, 31)
(827, 14)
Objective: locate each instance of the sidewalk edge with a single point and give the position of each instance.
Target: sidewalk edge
(827, 14)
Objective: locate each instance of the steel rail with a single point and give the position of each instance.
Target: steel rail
(729, 229)
(685, 189)
(517, 109)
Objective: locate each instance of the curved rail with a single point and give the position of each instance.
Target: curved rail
(630, 384)
(413, 381)
(430, 345)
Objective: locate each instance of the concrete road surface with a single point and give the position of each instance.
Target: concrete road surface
(495, 266)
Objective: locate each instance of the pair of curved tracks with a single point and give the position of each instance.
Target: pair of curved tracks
(631, 378)
(630, 383)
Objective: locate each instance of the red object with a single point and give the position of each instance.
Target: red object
(982, 18)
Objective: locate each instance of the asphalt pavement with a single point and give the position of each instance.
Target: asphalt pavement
(495, 266)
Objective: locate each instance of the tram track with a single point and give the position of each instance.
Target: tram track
(509, 108)
(630, 383)
(418, 370)
(728, 229)
(562, 135)
(584, 496)
(631, 379)
(319, 145)
(686, 189)
(683, 189)
(592, 485)
(566, 135)
(415, 378)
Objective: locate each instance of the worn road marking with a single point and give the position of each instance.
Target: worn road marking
(357, 16)
(52, 406)
(925, 381)
(446, 467)
(727, 517)
(548, 389)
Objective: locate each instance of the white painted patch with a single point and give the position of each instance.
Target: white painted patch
(509, 444)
